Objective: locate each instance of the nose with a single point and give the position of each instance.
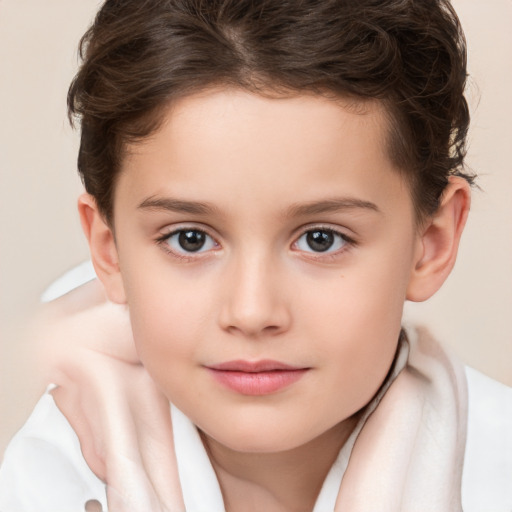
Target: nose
(255, 303)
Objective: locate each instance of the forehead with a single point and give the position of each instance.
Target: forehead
(228, 144)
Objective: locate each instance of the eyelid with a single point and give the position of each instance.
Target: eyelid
(325, 226)
(171, 229)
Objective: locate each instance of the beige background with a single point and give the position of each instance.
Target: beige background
(39, 229)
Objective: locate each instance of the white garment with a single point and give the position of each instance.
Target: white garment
(44, 470)
(487, 475)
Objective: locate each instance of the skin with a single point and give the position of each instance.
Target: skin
(256, 174)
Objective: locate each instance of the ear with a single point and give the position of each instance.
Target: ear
(439, 241)
(102, 247)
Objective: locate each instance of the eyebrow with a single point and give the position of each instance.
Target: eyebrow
(331, 206)
(155, 203)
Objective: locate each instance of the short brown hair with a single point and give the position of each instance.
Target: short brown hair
(141, 54)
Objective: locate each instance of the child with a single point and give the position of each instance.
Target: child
(267, 183)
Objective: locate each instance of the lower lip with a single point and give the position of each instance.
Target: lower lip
(257, 383)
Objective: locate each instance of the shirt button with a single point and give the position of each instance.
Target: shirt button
(93, 506)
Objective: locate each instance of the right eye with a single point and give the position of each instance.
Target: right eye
(186, 241)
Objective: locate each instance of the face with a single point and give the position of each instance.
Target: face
(265, 247)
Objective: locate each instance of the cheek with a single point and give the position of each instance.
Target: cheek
(359, 319)
(168, 327)
(363, 348)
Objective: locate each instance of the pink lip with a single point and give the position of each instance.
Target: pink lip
(256, 378)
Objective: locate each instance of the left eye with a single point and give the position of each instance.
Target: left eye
(189, 241)
(321, 240)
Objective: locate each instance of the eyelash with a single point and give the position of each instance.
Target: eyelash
(348, 242)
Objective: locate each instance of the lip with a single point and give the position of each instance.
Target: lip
(256, 378)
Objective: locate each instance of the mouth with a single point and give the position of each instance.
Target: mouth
(256, 378)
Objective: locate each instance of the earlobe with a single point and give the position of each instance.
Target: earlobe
(439, 241)
(102, 247)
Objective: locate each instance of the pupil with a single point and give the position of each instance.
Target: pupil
(320, 241)
(191, 240)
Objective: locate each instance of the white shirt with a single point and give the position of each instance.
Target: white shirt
(44, 470)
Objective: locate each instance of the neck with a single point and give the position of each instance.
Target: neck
(276, 482)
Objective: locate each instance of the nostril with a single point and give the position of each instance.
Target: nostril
(254, 331)
(271, 328)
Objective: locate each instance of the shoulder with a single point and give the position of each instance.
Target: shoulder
(487, 475)
(43, 468)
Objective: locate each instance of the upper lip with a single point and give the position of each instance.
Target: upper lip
(264, 365)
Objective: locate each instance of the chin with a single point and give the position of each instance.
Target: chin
(257, 444)
(259, 438)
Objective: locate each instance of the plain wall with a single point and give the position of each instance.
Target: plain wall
(39, 229)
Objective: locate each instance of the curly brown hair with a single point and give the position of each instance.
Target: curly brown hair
(409, 54)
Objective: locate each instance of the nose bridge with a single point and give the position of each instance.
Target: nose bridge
(255, 304)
